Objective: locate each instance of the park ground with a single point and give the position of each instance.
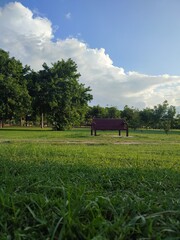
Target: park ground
(71, 185)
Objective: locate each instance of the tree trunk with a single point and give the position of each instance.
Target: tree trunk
(21, 122)
(42, 120)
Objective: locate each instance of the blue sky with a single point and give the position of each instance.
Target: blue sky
(140, 36)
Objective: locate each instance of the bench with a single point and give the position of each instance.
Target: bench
(108, 124)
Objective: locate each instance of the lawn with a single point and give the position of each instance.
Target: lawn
(70, 185)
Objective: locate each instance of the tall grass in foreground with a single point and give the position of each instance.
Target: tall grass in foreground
(81, 187)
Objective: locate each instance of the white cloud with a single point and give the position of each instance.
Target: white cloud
(30, 39)
(68, 15)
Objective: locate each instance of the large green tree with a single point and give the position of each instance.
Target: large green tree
(58, 95)
(39, 87)
(69, 98)
(14, 97)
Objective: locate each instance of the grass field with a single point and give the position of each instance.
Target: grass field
(70, 185)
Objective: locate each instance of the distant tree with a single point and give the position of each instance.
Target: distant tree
(112, 112)
(176, 123)
(159, 113)
(131, 115)
(146, 117)
(163, 116)
(127, 113)
(166, 125)
(171, 112)
(14, 97)
(96, 112)
(101, 112)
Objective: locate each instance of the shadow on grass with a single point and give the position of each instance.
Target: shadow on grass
(155, 131)
(50, 200)
(25, 129)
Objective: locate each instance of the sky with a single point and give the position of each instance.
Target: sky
(127, 51)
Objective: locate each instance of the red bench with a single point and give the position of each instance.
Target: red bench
(108, 124)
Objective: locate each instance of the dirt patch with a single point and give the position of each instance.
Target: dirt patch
(127, 143)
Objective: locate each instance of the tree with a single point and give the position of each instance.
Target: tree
(163, 116)
(69, 98)
(159, 113)
(39, 87)
(112, 112)
(176, 123)
(171, 112)
(59, 95)
(131, 115)
(14, 97)
(96, 112)
(146, 117)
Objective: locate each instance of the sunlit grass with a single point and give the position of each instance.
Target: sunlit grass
(70, 185)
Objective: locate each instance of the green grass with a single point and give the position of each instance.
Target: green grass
(70, 185)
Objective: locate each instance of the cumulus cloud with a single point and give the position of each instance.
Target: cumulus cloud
(30, 39)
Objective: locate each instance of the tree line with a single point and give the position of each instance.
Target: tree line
(162, 116)
(53, 95)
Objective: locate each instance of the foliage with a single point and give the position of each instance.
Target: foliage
(146, 116)
(112, 112)
(101, 112)
(176, 122)
(59, 95)
(131, 115)
(70, 98)
(14, 97)
(163, 115)
(55, 94)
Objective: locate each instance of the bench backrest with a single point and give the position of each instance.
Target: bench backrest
(108, 124)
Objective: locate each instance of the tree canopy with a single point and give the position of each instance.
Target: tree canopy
(53, 92)
(14, 97)
(60, 95)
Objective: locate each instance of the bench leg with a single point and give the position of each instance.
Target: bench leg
(119, 132)
(91, 132)
(95, 133)
(127, 134)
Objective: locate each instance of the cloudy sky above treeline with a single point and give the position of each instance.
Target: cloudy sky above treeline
(35, 36)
